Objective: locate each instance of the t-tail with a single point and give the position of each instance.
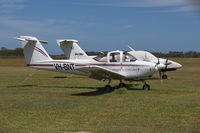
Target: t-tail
(34, 53)
(71, 49)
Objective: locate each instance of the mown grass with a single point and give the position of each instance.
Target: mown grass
(36, 101)
(12, 61)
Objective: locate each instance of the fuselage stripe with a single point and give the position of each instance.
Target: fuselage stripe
(41, 50)
(107, 65)
(86, 65)
(39, 64)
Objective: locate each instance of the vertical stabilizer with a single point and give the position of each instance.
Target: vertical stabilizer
(34, 52)
(71, 49)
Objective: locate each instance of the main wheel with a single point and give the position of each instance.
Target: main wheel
(108, 88)
(164, 76)
(146, 87)
(121, 85)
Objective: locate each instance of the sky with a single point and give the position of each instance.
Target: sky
(104, 25)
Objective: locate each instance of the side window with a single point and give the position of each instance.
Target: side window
(114, 57)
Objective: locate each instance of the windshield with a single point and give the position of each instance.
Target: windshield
(128, 57)
(101, 58)
(149, 56)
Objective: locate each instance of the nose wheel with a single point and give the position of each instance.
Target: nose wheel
(164, 76)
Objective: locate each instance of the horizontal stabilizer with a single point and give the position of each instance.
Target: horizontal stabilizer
(22, 38)
(66, 42)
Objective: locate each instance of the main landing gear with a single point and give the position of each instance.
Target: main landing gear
(146, 86)
(121, 84)
(108, 87)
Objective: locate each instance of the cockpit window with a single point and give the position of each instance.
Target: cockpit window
(101, 58)
(128, 57)
(114, 57)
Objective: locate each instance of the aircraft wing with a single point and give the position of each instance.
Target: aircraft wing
(99, 73)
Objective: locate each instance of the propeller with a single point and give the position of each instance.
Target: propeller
(159, 70)
(166, 64)
(157, 64)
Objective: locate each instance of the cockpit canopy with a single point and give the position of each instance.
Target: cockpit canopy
(115, 56)
(143, 55)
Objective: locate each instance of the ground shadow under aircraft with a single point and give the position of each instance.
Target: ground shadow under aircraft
(102, 91)
(97, 90)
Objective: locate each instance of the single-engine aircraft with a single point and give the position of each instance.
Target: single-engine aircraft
(147, 56)
(118, 64)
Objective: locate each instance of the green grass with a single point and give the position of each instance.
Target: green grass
(36, 101)
(11, 61)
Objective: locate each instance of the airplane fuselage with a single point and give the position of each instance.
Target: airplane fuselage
(132, 70)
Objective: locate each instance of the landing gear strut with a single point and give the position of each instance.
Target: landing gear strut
(121, 84)
(146, 86)
(164, 76)
(108, 87)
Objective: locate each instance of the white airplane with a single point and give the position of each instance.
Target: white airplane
(147, 56)
(74, 51)
(119, 65)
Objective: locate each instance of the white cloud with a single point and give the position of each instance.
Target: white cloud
(186, 8)
(7, 6)
(148, 3)
(47, 28)
(167, 5)
(24, 25)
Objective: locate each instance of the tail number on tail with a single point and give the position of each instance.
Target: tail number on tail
(64, 66)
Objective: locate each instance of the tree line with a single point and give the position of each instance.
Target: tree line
(18, 52)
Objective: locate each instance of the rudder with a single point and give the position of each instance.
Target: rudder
(34, 52)
(71, 49)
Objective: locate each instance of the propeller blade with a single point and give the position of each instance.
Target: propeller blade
(166, 63)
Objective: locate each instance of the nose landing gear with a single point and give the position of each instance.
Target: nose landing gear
(164, 76)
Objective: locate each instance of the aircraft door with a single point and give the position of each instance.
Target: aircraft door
(127, 61)
(114, 57)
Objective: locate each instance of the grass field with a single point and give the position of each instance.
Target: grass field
(36, 101)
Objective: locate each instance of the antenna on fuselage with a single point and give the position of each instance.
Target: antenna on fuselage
(131, 48)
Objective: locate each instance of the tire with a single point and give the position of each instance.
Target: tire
(164, 76)
(121, 85)
(146, 87)
(108, 88)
